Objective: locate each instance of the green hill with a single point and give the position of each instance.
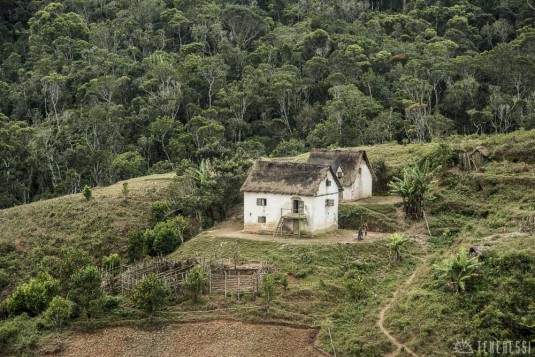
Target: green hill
(349, 291)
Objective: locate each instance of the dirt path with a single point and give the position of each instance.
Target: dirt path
(380, 322)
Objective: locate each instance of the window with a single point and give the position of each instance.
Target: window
(261, 219)
(360, 170)
(340, 174)
(329, 203)
(328, 183)
(261, 202)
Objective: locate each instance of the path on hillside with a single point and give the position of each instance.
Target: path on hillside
(380, 321)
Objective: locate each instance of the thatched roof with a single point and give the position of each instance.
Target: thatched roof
(348, 160)
(481, 149)
(290, 178)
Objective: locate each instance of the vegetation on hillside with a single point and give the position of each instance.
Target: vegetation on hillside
(92, 92)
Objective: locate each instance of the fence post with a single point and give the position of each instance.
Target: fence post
(225, 284)
(238, 285)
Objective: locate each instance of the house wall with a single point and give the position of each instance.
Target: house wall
(319, 217)
(362, 186)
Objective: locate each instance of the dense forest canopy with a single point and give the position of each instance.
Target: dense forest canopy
(93, 91)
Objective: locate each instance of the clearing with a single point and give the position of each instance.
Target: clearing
(213, 338)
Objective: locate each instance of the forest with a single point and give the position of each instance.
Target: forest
(96, 91)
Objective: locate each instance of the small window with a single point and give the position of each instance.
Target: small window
(328, 183)
(329, 203)
(340, 174)
(261, 219)
(360, 170)
(261, 202)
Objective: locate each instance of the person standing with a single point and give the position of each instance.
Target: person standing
(365, 229)
(359, 233)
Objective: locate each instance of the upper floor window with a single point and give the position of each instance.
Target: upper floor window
(328, 183)
(261, 202)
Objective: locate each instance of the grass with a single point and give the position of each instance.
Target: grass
(317, 294)
(465, 209)
(32, 234)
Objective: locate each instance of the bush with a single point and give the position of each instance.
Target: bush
(4, 279)
(18, 336)
(162, 239)
(268, 288)
(159, 211)
(128, 164)
(112, 262)
(356, 287)
(34, 296)
(136, 246)
(150, 293)
(195, 282)
(87, 193)
(85, 290)
(59, 310)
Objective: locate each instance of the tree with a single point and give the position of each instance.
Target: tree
(455, 272)
(59, 310)
(136, 247)
(195, 282)
(396, 243)
(150, 293)
(87, 193)
(243, 25)
(413, 188)
(85, 289)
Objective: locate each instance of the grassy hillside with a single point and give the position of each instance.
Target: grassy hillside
(32, 235)
(341, 288)
(320, 291)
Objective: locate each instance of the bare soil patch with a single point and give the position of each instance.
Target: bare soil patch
(213, 338)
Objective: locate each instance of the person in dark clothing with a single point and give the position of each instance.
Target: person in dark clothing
(365, 229)
(359, 234)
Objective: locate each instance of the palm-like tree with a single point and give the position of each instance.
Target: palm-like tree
(413, 188)
(457, 270)
(396, 243)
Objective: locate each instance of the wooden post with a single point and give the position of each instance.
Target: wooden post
(225, 283)
(238, 285)
(210, 279)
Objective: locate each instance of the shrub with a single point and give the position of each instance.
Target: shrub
(159, 211)
(456, 271)
(125, 191)
(356, 287)
(34, 296)
(268, 288)
(18, 336)
(128, 164)
(111, 262)
(72, 260)
(162, 239)
(87, 193)
(4, 279)
(59, 310)
(195, 282)
(150, 293)
(85, 290)
(136, 247)
(396, 243)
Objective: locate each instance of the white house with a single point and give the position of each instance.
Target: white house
(351, 167)
(286, 197)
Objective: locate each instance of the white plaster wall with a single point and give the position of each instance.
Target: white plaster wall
(362, 187)
(325, 217)
(318, 216)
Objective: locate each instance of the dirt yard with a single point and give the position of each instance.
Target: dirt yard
(233, 228)
(214, 338)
